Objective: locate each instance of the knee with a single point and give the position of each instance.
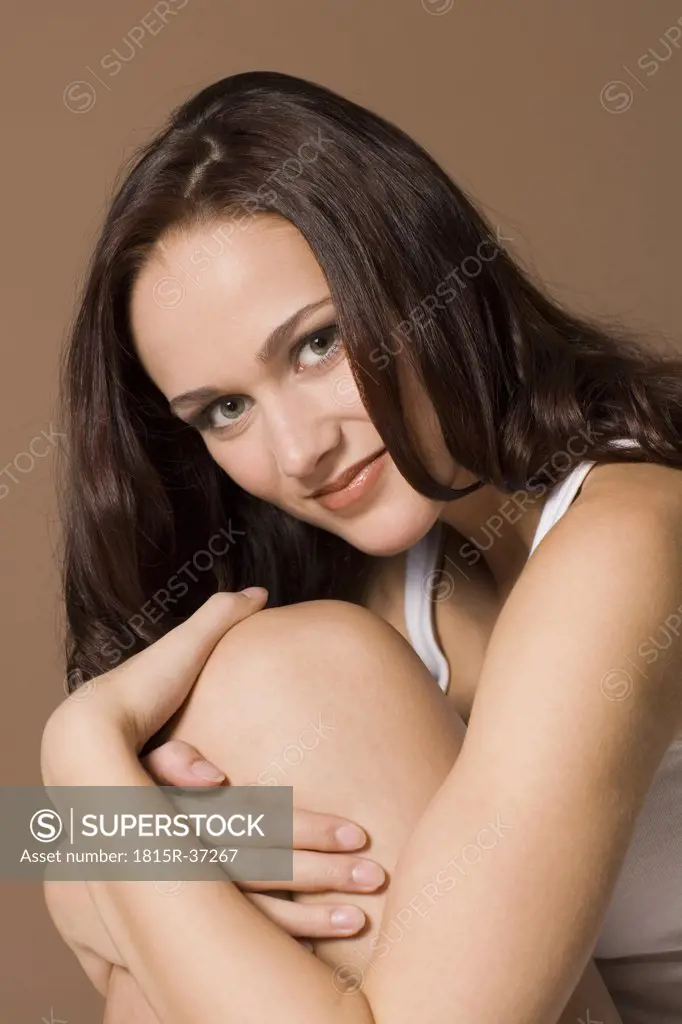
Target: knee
(291, 656)
(293, 676)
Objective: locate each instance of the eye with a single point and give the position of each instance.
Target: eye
(327, 339)
(320, 347)
(225, 412)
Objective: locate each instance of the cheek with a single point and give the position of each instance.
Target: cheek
(343, 395)
(251, 470)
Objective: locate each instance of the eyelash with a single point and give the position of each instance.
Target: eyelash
(202, 419)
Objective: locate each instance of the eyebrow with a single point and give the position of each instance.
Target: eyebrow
(265, 354)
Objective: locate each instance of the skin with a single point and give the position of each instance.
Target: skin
(301, 425)
(182, 951)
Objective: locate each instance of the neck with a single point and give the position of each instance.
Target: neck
(499, 527)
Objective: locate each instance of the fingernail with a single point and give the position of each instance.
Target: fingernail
(367, 874)
(255, 592)
(206, 770)
(350, 837)
(347, 919)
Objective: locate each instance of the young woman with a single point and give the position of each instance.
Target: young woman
(303, 360)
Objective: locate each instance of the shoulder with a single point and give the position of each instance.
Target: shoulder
(625, 515)
(647, 486)
(605, 585)
(582, 677)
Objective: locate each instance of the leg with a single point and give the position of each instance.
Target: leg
(390, 739)
(327, 697)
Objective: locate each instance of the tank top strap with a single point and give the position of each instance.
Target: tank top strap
(561, 496)
(421, 569)
(558, 500)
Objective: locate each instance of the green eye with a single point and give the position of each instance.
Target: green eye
(225, 411)
(328, 339)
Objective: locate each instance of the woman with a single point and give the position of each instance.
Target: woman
(466, 414)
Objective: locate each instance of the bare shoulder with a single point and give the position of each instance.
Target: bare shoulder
(630, 511)
(644, 485)
(609, 576)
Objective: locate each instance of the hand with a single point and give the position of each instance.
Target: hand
(132, 702)
(319, 865)
(321, 858)
(137, 698)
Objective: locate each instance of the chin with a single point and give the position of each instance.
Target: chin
(391, 527)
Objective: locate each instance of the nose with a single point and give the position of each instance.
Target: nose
(300, 435)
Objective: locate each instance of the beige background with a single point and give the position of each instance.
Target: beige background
(506, 96)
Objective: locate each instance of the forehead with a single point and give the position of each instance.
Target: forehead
(215, 291)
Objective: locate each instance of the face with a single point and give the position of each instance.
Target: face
(282, 421)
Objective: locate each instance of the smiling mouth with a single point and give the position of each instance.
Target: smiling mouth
(344, 479)
(354, 484)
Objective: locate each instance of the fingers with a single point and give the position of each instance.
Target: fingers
(311, 921)
(327, 872)
(326, 832)
(143, 692)
(177, 763)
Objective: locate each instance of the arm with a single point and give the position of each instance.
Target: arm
(126, 1003)
(558, 767)
(557, 770)
(97, 743)
(80, 925)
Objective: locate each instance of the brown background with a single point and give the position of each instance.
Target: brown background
(506, 96)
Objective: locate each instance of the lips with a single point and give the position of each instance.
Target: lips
(353, 495)
(345, 478)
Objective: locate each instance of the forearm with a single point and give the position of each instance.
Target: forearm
(202, 954)
(487, 949)
(205, 950)
(126, 1003)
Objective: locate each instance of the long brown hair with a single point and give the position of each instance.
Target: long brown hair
(421, 282)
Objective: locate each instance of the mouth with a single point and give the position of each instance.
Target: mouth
(353, 483)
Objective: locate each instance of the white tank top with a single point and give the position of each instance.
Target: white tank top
(639, 951)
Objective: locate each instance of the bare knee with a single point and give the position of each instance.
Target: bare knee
(290, 691)
(330, 699)
(320, 695)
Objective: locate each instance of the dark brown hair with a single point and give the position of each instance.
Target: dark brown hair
(420, 283)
